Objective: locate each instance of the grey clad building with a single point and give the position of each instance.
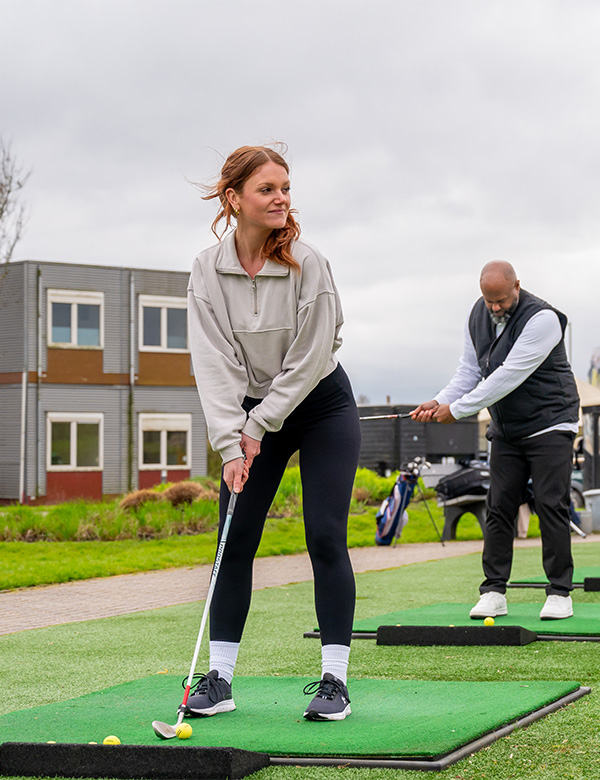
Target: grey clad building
(97, 395)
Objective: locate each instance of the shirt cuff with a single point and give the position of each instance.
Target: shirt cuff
(231, 453)
(253, 429)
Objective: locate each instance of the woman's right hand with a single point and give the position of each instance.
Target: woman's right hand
(235, 474)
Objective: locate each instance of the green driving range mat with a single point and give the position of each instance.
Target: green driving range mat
(390, 718)
(579, 575)
(585, 621)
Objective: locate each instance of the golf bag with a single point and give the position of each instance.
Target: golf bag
(392, 517)
(472, 479)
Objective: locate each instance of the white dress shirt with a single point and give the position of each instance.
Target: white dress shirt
(468, 393)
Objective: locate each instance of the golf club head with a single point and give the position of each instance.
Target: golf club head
(164, 730)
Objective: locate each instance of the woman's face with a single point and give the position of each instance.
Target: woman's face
(265, 198)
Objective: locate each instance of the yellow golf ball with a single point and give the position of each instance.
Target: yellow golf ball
(489, 621)
(184, 731)
(111, 740)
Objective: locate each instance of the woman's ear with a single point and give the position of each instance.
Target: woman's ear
(232, 198)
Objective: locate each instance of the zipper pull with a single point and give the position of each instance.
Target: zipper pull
(254, 293)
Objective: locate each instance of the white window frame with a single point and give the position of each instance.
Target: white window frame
(162, 302)
(73, 418)
(75, 297)
(163, 423)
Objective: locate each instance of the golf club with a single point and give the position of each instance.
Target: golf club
(384, 416)
(165, 730)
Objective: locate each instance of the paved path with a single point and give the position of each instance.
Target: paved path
(71, 602)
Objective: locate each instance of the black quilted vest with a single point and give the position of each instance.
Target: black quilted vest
(547, 397)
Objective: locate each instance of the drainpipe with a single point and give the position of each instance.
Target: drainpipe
(130, 413)
(24, 377)
(38, 438)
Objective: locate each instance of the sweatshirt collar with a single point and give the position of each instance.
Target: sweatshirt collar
(228, 262)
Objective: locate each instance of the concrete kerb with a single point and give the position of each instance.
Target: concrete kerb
(72, 602)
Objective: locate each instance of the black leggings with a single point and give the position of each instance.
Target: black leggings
(326, 430)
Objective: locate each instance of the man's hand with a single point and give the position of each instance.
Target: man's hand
(424, 412)
(235, 474)
(443, 414)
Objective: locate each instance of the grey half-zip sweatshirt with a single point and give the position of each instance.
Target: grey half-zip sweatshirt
(273, 338)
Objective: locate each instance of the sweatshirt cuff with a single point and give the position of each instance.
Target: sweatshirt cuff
(231, 453)
(253, 429)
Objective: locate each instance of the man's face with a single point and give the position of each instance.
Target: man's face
(501, 300)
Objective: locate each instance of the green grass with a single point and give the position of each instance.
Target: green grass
(81, 540)
(59, 663)
(24, 564)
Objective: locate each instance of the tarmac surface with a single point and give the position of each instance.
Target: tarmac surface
(71, 602)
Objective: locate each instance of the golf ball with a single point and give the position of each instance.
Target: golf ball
(111, 740)
(489, 621)
(184, 731)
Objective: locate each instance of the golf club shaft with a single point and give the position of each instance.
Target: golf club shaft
(211, 588)
(383, 416)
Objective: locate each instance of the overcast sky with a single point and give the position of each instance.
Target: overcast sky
(425, 137)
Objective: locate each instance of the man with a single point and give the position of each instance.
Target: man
(514, 362)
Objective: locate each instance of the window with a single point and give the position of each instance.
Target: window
(163, 324)
(74, 441)
(164, 441)
(75, 318)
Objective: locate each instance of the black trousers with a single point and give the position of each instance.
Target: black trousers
(547, 458)
(326, 430)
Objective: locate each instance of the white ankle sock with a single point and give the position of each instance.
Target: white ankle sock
(334, 659)
(223, 656)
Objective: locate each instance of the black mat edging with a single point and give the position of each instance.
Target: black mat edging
(540, 637)
(437, 763)
(539, 585)
(354, 635)
(129, 762)
(568, 638)
(589, 584)
(456, 636)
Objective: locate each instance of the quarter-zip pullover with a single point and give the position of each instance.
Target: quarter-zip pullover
(273, 337)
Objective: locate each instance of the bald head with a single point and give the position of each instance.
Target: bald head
(500, 289)
(497, 271)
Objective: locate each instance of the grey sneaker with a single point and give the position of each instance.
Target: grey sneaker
(211, 695)
(331, 701)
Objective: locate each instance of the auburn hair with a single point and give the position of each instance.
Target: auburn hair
(238, 167)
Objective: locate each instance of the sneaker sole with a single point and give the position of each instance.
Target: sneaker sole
(222, 706)
(489, 613)
(555, 617)
(314, 715)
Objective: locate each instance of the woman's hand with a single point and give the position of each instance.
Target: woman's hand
(250, 447)
(235, 474)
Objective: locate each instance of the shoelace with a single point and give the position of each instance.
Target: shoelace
(324, 689)
(204, 684)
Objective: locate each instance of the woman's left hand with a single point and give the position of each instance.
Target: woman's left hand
(250, 447)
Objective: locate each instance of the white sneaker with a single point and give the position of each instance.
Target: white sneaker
(557, 607)
(490, 604)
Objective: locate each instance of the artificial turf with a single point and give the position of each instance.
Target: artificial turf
(391, 718)
(59, 663)
(584, 623)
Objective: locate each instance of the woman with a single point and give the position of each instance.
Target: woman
(264, 318)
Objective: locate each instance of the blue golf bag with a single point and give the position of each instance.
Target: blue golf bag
(392, 517)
